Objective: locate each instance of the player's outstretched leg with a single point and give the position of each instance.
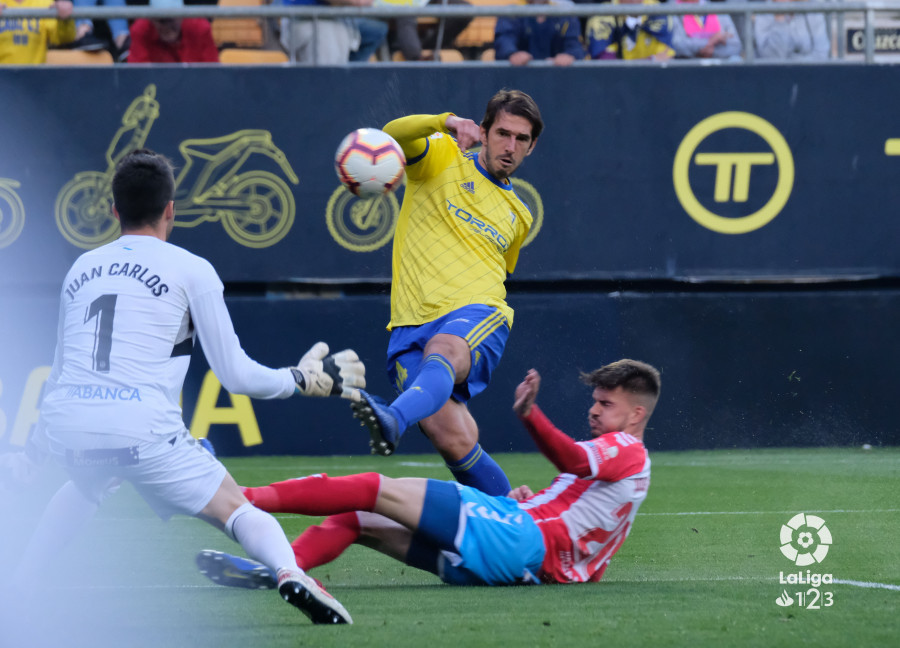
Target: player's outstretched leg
(234, 571)
(383, 427)
(304, 593)
(263, 539)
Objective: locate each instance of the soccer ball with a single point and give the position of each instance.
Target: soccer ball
(370, 163)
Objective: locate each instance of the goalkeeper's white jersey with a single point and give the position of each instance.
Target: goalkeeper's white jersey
(129, 313)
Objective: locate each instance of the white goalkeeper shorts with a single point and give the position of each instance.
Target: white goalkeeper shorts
(175, 474)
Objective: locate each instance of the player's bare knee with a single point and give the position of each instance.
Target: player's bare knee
(456, 351)
(401, 499)
(226, 501)
(455, 446)
(452, 431)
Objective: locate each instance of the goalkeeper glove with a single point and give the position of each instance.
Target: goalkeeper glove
(322, 374)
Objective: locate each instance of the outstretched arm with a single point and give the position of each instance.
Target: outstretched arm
(554, 444)
(317, 374)
(526, 393)
(412, 131)
(237, 372)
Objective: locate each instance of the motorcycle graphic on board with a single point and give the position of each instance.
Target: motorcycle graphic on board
(12, 212)
(255, 207)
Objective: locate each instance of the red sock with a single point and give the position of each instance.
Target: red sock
(318, 494)
(323, 543)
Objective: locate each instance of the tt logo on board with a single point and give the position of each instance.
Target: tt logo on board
(733, 172)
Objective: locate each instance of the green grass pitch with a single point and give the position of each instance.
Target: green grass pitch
(700, 568)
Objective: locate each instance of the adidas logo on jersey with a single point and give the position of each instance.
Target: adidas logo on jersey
(468, 186)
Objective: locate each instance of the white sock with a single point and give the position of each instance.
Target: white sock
(66, 515)
(261, 537)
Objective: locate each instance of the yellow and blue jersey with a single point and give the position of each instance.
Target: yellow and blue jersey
(630, 37)
(459, 231)
(24, 41)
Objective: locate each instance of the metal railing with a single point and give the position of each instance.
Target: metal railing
(839, 9)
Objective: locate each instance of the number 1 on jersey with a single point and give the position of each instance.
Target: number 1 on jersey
(104, 309)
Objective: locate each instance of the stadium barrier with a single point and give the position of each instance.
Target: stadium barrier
(862, 39)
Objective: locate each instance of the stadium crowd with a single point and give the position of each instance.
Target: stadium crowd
(554, 39)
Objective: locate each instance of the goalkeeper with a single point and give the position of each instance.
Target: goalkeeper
(130, 312)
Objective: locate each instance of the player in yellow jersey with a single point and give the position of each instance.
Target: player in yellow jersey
(458, 236)
(24, 41)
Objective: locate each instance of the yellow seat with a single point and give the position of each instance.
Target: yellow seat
(78, 57)
(480, 32)
(234, 56)
(238, 32)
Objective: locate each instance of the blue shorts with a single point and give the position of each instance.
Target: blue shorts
(484, 328)
(476, 539)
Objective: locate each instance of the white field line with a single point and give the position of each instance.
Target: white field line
(893, 588)
(744, 461)
(313, 468)
(836, 581)
(177, 519)
(829, 512)
(690, 579)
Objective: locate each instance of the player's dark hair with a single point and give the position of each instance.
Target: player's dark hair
(142, 186)
(515, 102)
(633, 376)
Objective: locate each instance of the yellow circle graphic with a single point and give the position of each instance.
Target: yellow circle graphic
(12, 212)
(532, 199)
(685, 156)
(84, 210)
(358, 224)
(263, 209)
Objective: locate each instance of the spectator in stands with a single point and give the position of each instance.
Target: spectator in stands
(24, 42)
(521, 40)
(631, 37)
(172, 40)
(332, 42)
(794, 37)
(410, 43)
(705, 35)
(88, 38)
(372, 35)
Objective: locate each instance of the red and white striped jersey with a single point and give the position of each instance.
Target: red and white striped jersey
(585, 515)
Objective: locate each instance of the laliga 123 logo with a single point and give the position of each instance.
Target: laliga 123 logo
(805, 539)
